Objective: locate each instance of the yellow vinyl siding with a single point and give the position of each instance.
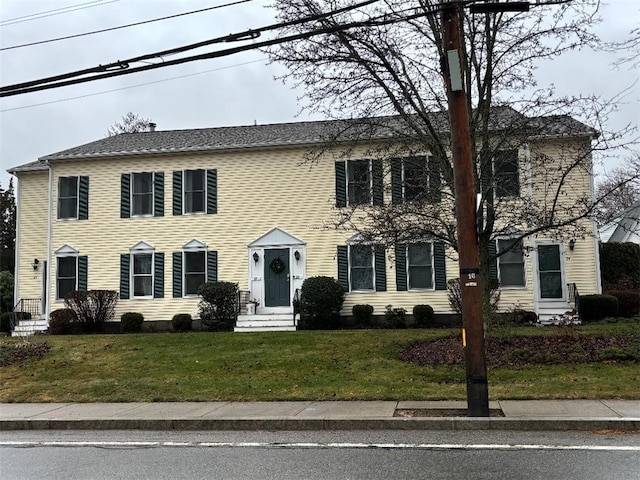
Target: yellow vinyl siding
(33, 204)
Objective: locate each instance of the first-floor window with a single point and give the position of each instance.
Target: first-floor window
(194, 271)
(361, 264)
(511, 263)
(66, 276)
(142, 274)
(420, 265)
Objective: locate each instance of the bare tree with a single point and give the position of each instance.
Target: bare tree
(618, 190)
(387, 71)
(130, 123)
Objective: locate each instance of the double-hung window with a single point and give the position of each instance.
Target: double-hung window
(194, 191)
(511, 263)
(195, 271)
(359, 182)
(142, 274)
(66, 276)
(142, 193)
(67, 197)
(507, 173)
(420, 265)
(361, 267)
(415, 177)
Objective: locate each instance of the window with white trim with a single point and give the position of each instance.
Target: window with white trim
(67, 197)
(66, 276)
(511, 263)
(361, 267)
(194, 191)
(359, 182)
(195, 271)
(142, 274)
(142, 193)
(506, 173)
(420, 266)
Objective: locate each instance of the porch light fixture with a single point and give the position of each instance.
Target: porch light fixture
(35, 264)
(256, 257)
(572, 244)
(296, 255)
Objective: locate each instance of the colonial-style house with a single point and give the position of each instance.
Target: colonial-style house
(155, 214)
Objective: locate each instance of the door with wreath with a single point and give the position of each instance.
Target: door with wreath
(277, 277)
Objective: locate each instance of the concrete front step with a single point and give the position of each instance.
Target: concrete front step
(561, 314)
(282, 322)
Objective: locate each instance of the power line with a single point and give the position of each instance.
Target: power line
(122, 66)
(124, 26)
(131, 86)
(57, 11)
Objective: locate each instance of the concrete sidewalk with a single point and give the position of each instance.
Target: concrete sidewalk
(348, 415)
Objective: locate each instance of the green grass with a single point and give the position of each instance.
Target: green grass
(305, 365)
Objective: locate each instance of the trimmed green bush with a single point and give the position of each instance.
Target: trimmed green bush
(131, 322)
(628, 302)
(182, 322)
(63, 322)
(5, 322)
(218, 305)
(597, 307)
(320, 303)
(395, 317)
(424, 316)
(362, 314)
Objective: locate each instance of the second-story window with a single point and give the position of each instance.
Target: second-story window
(142, 194)
(194, 191)
(506, 173)
(68, 197)
(359, 182)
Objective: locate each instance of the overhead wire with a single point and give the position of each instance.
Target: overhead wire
(56, 11)
(110, 29)
(120, 65)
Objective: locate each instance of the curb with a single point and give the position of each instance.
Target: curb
(289, 424)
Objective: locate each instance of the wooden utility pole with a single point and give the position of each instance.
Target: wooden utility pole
(465, 200)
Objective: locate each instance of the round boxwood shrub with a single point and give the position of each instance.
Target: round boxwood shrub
(218, 306)
(131, 322)
(320, 303)
(61, 322)
(182, 322)
(362, 314)
(597, 307)
(424, 316)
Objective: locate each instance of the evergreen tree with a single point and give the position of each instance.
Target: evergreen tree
(7, 228)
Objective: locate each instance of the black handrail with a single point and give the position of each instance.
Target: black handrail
(25, 309)
(574, 297)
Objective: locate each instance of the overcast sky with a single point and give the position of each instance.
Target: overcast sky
(235, 90)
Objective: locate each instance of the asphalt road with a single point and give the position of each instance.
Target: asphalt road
(319, 455)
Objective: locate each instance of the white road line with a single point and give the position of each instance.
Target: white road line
(415, 446)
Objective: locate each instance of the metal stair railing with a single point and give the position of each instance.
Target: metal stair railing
(574, 297)
(25, 309)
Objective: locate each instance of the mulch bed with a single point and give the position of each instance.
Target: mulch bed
(520, 351)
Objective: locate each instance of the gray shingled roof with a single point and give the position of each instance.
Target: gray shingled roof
(290, 134)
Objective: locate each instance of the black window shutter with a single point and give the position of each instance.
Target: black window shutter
(378, 188)
(381, 269)
(82, 272)
(83, 198)
(124, 276)
(396, 181)
(177, 274)
(401, 268)
(440, 266)
(493, 260)
(158, 194)
(158, 275)
(177, 193)
(343, 266)
(212, 266)
(212, 191)
(341, 185)
(125, 195)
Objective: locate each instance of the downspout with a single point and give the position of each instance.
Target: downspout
(49, 241)
(533, 258)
